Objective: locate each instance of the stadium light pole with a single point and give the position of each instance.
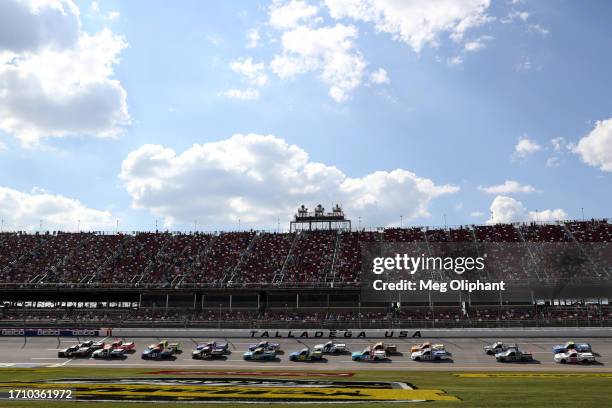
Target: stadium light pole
(401, 221)
(444, 220)
(78, 225)
(359, 222)
(582, 210)
(238, 224)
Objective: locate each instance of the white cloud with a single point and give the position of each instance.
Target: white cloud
(259, 178)
(55, 79)
(417, 23)
(548, 215)
(506, 209)
(289, 14)
(457, 60)
(558, 143)
(25, 211)
(526, 146)
(254, 73)
(477, 44)
(253, 38)
(595, 149)
(248, 94)
(515, 15)
(113, 15)
(328, 50)
(380, 76)
(508, 187)
(553, 162)
(538, 29)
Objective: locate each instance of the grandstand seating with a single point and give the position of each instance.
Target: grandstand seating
(248, 258)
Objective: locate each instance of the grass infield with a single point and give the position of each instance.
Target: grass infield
(471, 389)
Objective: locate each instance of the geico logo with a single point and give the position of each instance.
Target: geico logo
(84, 332)
(47, 332)
(12, 332)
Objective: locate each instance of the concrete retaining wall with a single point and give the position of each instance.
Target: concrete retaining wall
(574, 332)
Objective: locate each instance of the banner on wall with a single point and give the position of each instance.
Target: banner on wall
(50, 332)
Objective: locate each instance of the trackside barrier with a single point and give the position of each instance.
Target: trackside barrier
(33, 332)
(574, 332)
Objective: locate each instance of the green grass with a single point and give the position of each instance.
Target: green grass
(564, 391)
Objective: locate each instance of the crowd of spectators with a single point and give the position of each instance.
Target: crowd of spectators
(166, 259)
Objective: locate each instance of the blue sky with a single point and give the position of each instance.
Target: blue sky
(448, 110)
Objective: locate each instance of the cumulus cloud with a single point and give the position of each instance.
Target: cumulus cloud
(595, 149)
(248, 94)
(417, 23)
(508, 187)
(25, 211)
(258, 178)
(328, 50)
(525, 146)
(380, 76)
(289, 14)
(255, 73)
(55, 79)
(507, 209)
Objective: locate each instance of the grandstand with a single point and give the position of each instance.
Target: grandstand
(308, 276)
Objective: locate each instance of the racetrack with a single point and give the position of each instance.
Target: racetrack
(467, 355)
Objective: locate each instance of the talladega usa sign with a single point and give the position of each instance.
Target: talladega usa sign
(332, 334)
(50, 332)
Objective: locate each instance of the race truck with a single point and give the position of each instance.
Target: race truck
(259, 354)
(306, 355)
(570, 345)
(158, 353)
(68, 352)
(498, 347)
(574, 357)
(109, 353)
(332, 348)
(207, 351)
(387, 348)
(224, 347)
(369, 354)
(120, 344)
(78, 350)
(425, 346)
(83, 351)
(430, 355)
(265, 345)
(513, 355)
(175, 348)
(98, 345)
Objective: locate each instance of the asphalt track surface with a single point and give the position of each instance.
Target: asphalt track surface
(467, 354)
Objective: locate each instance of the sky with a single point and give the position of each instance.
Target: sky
(225, 115)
